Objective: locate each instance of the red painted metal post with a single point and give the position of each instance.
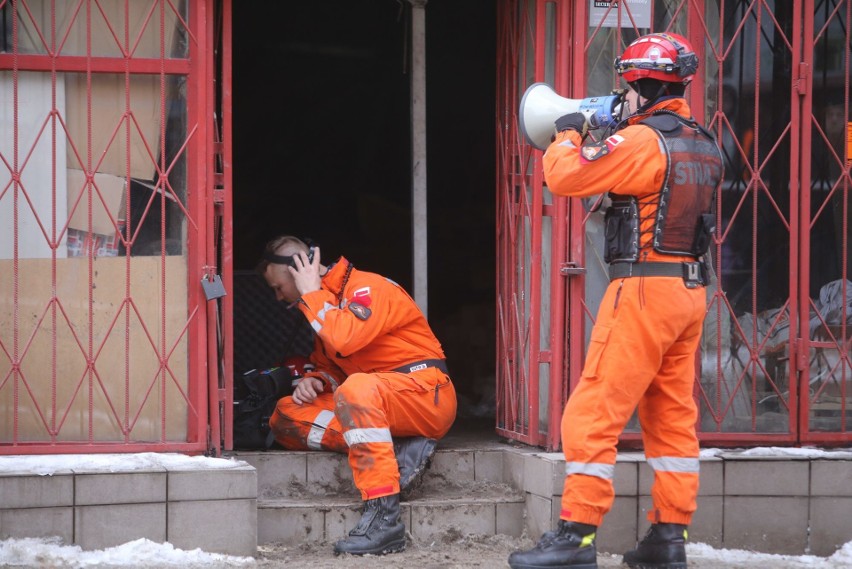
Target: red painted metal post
(558, 249)
(576, 233)
(227, 236)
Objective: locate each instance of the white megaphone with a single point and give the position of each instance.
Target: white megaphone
(541, 106)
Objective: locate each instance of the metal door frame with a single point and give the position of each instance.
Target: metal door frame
(543, 237)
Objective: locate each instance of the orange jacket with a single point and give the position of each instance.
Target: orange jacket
(364, 322)
(633, 164)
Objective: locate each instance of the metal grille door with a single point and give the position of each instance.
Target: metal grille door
(826, 291)
(105, 225)
(529, 313)
(774, 87)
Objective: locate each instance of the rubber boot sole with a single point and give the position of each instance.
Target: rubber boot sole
(392, 547)
(536, 566)
(643, 565)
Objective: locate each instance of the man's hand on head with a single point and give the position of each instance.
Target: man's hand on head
(306, 274)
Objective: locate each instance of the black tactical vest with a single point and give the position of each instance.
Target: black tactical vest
(686, 219)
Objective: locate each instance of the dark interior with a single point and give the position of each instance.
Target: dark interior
(322, 149)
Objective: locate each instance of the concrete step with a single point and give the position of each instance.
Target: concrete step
(310, 496)
(327, 519)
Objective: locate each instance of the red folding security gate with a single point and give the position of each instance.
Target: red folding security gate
(774, 86)
(114, 176)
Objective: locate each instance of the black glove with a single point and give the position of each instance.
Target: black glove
(571, 121)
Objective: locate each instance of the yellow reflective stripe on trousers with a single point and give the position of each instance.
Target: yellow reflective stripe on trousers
(674, 464)
(599, 469)
(321, 422)
(361, 436)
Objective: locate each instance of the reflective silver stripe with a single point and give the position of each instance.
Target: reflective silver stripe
(321, 422)
(599, 469)
(361, 436)
(330, 379)
(316, 324)
(658, 63)
(674, 464)
(325, 308)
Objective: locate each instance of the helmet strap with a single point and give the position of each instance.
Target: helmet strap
(650, 90)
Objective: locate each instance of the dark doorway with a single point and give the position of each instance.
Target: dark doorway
(321, 98)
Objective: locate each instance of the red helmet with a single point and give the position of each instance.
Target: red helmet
(665, 57)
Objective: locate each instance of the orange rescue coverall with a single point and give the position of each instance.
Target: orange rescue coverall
(366, 327)
(643, 344)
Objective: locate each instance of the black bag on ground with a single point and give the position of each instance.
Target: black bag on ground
(255, 395)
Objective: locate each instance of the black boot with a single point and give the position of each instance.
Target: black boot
(663, 547)
(571, 545)
(413, 457)
(378, 532)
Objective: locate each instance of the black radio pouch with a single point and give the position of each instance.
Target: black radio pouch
(621, 234)
(256, 394)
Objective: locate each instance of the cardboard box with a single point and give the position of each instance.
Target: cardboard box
(106, 113)
(108, 202)
(107, 28)
(40, 196)
(82, 244)
(106, 108)
(89, 305)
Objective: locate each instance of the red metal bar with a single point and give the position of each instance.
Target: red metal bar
(82, 64)
(576, 244)
(207, 119)
(800, 210)
(533, 292)
(555, 393)
(511, 23)
(520, 210)
(226, 253)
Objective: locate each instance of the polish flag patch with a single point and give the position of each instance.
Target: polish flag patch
(594, 151)
(614, 141)
(362, 296)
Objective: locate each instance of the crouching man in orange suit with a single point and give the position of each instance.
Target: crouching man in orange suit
(380, 391)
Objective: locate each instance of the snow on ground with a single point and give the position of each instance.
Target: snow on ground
(841, 558)
(781, 452)
(47, 464)
(32, 552)
(143, 553)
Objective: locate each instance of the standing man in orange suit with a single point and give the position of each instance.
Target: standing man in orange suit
(661, 171)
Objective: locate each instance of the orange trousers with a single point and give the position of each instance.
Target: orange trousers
(642, 354)
(361, 417)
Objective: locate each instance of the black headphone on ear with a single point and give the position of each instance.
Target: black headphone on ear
(311, 245)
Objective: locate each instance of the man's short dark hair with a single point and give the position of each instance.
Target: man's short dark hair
(272, 247)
